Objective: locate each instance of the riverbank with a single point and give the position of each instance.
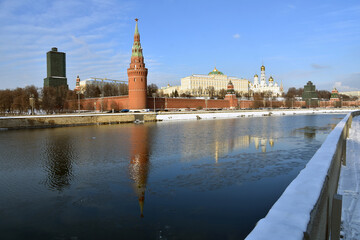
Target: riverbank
(68, 120)
(238, 114)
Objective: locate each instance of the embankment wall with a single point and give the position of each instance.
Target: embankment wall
(72, 120)
(304, 210)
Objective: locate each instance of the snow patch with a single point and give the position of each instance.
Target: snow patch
(349, 184)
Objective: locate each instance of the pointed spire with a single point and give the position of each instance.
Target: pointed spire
(136, 49)
(136, 27)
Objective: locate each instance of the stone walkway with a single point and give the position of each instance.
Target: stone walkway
(349, 185)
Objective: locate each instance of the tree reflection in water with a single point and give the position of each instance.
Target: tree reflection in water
(59, 153)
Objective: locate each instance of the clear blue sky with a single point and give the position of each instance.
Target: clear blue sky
(297, 41)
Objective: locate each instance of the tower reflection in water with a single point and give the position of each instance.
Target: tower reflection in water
(59, 154)
(139, 162)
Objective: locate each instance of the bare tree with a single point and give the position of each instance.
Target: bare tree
(152, 88)
(92, 91)
(222, 93)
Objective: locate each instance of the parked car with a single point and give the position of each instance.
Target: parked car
(124, 110)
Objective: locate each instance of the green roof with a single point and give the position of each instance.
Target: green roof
(215, 72)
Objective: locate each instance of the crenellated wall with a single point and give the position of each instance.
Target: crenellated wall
(122, 102)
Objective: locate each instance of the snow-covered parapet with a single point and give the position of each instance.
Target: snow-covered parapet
(301, 211)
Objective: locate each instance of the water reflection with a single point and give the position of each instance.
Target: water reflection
(242, 142)
(139, 162)
(59, 152)
(309, 132)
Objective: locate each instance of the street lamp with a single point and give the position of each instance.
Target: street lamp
(102, 98)
(78, 93)
(154, 95)
(32, 102)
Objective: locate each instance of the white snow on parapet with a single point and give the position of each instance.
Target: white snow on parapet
(289, 216)
(349, 184)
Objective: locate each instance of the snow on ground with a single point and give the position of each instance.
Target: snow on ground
(237, 114)
(169, 116)
(349, 184)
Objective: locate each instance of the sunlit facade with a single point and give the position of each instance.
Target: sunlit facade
(202, 85)
(265, 87)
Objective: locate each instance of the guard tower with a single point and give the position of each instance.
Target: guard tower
(56, 69)
(137, 75)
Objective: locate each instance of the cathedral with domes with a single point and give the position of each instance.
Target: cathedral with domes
(265, 86)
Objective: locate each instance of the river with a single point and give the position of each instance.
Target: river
(207, 179)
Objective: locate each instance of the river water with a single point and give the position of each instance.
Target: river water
(207, 179)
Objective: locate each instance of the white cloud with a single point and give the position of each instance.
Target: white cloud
(89, 38)
(236, 36)
(348, 82)
(318, 66)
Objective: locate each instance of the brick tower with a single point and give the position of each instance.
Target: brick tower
(137, 75)
(231, 96)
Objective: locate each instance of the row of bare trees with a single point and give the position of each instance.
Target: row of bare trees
(54, 100)
(18, 100)
(108, 89)
(48, 99)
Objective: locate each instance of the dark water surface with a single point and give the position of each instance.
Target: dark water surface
(208, 179)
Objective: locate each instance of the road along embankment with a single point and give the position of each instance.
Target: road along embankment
(48, 121)
(308, 208)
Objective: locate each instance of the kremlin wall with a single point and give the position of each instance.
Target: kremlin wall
(138, 100)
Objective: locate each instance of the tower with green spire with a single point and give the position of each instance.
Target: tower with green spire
(137, 74)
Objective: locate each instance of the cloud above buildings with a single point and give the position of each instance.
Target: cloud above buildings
(78, 28)
(318, 66)
(236, 36)
(349, 82)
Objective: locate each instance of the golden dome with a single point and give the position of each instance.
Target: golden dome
(262, 68)
(271, 79)
(215, 72)
(256, 75)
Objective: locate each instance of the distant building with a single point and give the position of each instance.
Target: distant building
(334, 95)
(351, 93)
(201, 84)
(309, 95)
(56, 69)
(170, 89)
(263, 86)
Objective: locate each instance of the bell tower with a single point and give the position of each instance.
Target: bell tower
(137, 75)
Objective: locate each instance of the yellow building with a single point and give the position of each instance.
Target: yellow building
(203, 85)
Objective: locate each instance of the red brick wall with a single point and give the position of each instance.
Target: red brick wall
(116, 103)
(338, 103)
(122, 102)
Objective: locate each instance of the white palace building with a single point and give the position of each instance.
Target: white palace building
(201, 84)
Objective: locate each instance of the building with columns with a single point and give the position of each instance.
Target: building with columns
(201, 84)
(263, 86)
